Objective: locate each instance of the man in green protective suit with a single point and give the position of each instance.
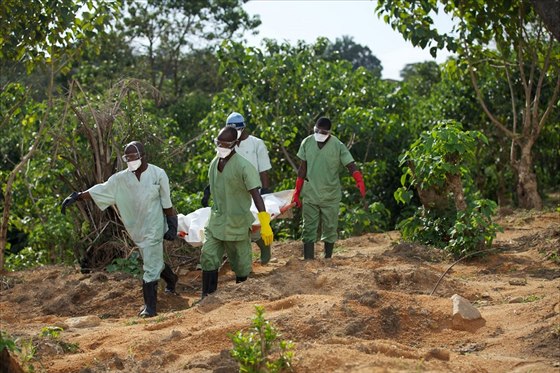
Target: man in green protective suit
(142, 196)
(233, 182)
(254, 150)
(322, 156)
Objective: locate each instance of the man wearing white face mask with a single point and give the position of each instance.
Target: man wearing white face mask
(254, 150)
(321, 156)
(233, 183)
(142, 195)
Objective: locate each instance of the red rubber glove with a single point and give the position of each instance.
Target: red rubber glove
(299, 186)
(357, 175)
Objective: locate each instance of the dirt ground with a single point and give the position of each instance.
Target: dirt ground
(368, 309)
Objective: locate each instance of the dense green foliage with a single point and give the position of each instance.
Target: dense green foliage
(513, 64)
(35, 33)
(144, 76)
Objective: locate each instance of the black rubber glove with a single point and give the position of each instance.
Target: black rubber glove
(71, 199)
(172, 224)
(265, 191)
(206, 197)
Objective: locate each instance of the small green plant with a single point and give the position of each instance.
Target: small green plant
(128, 265)
(52, 332)
(261, 349)
(531, 298)
(27, 353)
(69, 347)
(6, 342)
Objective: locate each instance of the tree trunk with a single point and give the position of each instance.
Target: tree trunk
(455, 186)
(433, 198)
(4, 228)
(527, 190)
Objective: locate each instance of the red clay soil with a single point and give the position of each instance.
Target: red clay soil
(368, 309)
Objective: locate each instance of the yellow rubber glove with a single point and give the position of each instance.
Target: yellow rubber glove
(266, 231)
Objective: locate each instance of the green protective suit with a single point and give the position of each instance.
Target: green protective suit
(321, 191)
(140, 203)
(231, 218)
(254, 150)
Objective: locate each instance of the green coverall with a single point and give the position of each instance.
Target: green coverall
(321, 191)
(140, 203)
(231, 218)
(254, 150)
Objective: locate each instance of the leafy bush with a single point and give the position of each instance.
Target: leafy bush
(26, 258)
(452, 215)
(459, 232)
(260, 349)
(130, 265)
(361, 219)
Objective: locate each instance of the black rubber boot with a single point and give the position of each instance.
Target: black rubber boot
(240, 279)
(308, 250)
(329, 246)
(170, 279)
(150, 298)
(145, 297)
(209, 282)
(265, 251)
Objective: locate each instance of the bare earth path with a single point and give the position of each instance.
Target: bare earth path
(368, 309)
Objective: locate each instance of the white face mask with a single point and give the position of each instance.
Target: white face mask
(319, 137)
(239, 132)
(223, 152)
(133, 165)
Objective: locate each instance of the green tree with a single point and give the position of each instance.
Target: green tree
(360, 56)
(164, 31)
(419, 82)
(454, 99)
(49, 37)
(508, 38)
(421, 77)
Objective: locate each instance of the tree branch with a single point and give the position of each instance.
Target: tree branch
(514, 111)
(288, 158)
(492, 118)
(538, 124)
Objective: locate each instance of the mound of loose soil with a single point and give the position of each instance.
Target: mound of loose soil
(368, 309)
